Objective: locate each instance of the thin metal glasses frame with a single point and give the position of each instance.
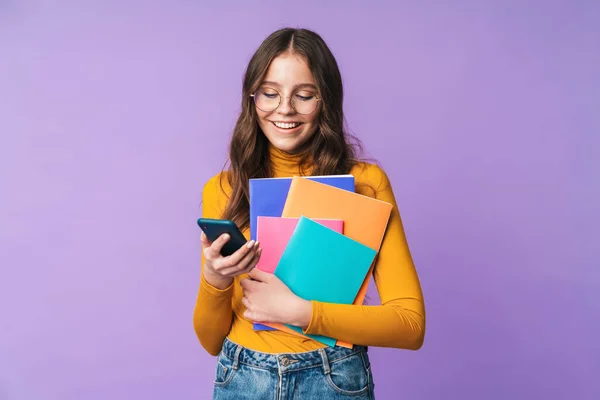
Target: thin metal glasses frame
(253, 95)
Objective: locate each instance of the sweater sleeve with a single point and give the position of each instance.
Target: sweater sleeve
(400, 319)
(213, 310)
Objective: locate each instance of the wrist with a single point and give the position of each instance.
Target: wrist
(216, 281)
(303, 314)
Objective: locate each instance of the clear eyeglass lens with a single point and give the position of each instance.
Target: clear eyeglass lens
(269, 100)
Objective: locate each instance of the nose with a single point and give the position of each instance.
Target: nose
(286, 106)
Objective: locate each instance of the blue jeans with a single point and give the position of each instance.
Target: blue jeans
(329, 373)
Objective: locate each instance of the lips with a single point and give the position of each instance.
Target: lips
(286, 125)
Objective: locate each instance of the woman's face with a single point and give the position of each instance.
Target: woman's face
(287, 129)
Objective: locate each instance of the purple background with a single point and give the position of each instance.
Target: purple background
(113, 114)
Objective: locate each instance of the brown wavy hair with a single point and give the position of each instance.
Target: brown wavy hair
(331, 150)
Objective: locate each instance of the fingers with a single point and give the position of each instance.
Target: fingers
(256, 316)
(246, 302)
(213, 251)
(204, 240)
(250, 313)
(260, 276)
(242, 253)
(240, 262)
(252, 265)
(248, 285)
(230, 268)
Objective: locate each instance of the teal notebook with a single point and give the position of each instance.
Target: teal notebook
(321, 264)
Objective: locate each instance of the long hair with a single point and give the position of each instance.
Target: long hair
(332, 150)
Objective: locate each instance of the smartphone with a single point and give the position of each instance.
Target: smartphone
(213, 228)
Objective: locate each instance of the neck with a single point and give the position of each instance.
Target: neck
(286, 164)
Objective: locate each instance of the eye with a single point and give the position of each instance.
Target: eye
(268, 93)
(304, 96)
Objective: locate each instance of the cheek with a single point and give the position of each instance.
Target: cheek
(312, 127)
(313, 122)
(261, 115)
(262, 118)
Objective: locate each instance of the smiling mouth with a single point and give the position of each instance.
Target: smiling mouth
(286, 125)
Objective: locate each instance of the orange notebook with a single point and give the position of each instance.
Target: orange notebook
(365, 219)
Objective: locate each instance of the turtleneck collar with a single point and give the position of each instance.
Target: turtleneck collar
(286, 164)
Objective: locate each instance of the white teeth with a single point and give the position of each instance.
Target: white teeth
(286, 125)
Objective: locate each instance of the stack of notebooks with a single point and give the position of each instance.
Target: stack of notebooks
(319, 237)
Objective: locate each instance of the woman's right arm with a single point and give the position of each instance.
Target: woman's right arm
(213, 311)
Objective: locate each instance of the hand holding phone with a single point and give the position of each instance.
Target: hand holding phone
(226, 252)
(214, 228)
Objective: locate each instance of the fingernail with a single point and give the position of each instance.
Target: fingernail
(256, 244)
(226, 237)
(250, 244)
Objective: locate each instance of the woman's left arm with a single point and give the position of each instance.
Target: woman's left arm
(400, 319)
(398, 322)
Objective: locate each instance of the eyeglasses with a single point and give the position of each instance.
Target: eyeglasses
(268, 100)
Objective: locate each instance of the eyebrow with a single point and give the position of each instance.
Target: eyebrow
(295, 87)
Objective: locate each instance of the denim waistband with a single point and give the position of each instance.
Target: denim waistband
(287, 361)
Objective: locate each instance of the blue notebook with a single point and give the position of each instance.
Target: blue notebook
(323, 265)
(268, 196)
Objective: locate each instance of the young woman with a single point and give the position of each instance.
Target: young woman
(292, 123)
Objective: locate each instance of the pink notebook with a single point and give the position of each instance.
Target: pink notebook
(273, 233)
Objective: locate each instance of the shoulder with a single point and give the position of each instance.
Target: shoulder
(217, 183)
(370, 178)
(216, 180)
(215, 193)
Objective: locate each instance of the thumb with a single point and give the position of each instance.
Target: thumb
(259, 275)
(204, 240)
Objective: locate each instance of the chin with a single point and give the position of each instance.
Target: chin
(288, 146)
(291, 144)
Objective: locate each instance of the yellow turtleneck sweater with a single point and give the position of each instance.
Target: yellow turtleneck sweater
(398, 322)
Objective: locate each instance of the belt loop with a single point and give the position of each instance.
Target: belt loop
(236, 356)
(326, 368)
